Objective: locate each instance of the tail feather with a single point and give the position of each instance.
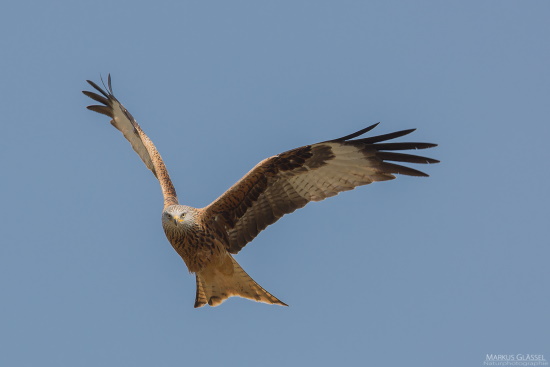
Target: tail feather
(200, 298)
(216, 284)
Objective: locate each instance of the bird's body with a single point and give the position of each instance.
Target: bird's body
(191, 237)
(203, 247)
(206, 238)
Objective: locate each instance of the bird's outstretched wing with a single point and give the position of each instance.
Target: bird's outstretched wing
(144, 147)
(288, 181)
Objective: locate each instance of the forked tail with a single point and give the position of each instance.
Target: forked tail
(216, 284)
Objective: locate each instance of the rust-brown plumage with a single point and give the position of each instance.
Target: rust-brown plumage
(205, 238)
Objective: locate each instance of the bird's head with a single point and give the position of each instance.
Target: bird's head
(178, 217)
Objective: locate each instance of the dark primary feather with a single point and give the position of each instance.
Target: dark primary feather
(401, 170)
(109, 83)
(288, 181)
(107, 99)
(404, 146)
(100, 90)
(376, 139)
(104, 110)
(357, 133)
(97, 97)
(400, 157)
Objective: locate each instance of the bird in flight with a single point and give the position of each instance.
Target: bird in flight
(206, 238)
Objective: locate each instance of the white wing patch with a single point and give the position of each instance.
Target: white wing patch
(124, 122)
(348, 169)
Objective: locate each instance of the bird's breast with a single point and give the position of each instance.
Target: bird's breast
(198, 248)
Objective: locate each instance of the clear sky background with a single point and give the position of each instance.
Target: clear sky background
(436, 271)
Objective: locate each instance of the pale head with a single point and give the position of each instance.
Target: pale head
(178, 217)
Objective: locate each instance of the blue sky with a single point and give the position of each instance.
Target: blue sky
(417, 271)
